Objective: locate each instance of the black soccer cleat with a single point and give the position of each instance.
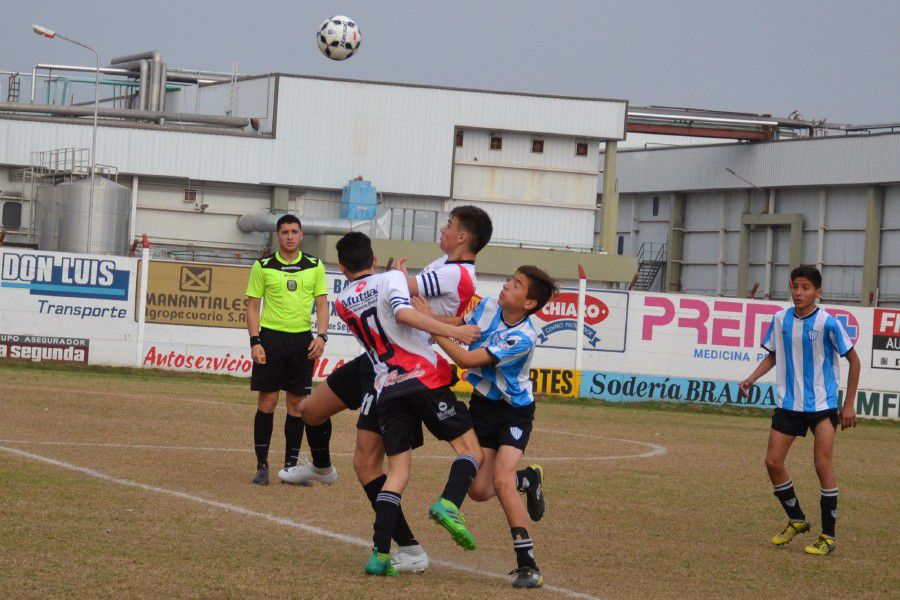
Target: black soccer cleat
(534, 495)
(527, 578)
(262, 475)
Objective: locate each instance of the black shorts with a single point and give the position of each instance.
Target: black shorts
(287, 366)
(793, 422)
(498, 423)
(354, 383)
(402, 417)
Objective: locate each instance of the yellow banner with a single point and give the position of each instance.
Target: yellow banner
(548, 382)
(196, 294)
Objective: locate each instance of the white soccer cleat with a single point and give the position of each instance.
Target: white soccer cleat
(410, 559)
(305, 473)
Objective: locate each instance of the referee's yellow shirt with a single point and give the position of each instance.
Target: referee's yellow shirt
(288, 290)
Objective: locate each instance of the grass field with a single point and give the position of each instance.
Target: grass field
(136, 484)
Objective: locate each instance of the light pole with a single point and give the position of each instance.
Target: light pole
(50, 34)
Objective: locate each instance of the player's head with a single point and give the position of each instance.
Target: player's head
(290, 232)
(529, 290)
(467, 225)
(355, 253)
(806, 285)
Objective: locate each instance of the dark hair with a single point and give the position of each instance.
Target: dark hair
(285, 219)
(477, 223)
(541, 286)
(355, 252)
(808, 272)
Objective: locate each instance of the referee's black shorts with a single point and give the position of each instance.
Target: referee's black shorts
(287, 365)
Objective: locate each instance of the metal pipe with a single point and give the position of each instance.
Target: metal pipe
(162, 92)
(147, 55)
(820, 235)
(144, 80)
(132, 221)
(265, 223)
(700, 119)
(770, 242)
(155, 66)
(122, 113)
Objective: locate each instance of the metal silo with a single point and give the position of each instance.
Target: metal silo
(108, 223)
(47, 208)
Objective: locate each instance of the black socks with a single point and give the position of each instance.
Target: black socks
(402, 533)
(293, 437)
(828, 504)
(785, 494)
(462, 472)
(319, 440)
(387, 505)
(524, 548)
(262, 436)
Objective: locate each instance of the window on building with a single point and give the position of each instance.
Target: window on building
(655, 206)
(496, 142)
(459, 139)
(12, 215)
(620, 247)
(537, 146)
(190, 195)
(581, 149)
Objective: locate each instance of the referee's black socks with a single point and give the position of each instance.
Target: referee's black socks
(293, 437)
(262, 436)
(462, 472)
(319, 440)
(403, 535)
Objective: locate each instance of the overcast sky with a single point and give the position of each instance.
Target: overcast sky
(835, 59)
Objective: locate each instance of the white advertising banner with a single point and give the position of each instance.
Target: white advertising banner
(66, 307)
(637, 346)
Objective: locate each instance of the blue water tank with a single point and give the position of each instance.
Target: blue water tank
(359, 202)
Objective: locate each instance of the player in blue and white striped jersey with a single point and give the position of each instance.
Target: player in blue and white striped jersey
(502, 405)
(805, 345)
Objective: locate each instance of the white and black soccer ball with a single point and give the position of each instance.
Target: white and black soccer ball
(339, 37)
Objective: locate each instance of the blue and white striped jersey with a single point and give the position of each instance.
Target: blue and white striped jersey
(807, 355)
(512, 346)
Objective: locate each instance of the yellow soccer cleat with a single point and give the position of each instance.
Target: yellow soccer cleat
(823, 546)
(793, 529)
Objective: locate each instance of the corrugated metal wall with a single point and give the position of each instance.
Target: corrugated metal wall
(712, 233)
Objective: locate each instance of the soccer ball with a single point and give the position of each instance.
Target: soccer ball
(339, 38)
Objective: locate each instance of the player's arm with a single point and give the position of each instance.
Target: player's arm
(466, 359)
(423, 307)
(410, 281)
(413, 318)
(848, 412)
(764, 367)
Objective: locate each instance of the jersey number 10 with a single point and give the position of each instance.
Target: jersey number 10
(370, 333)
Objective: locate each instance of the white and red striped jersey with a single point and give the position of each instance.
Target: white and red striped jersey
(448, 286)
(402, 356)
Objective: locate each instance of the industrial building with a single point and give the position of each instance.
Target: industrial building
(649, 198)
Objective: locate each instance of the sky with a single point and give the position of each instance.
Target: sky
(832, 59)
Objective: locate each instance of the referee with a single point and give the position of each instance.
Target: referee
(283, 348)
